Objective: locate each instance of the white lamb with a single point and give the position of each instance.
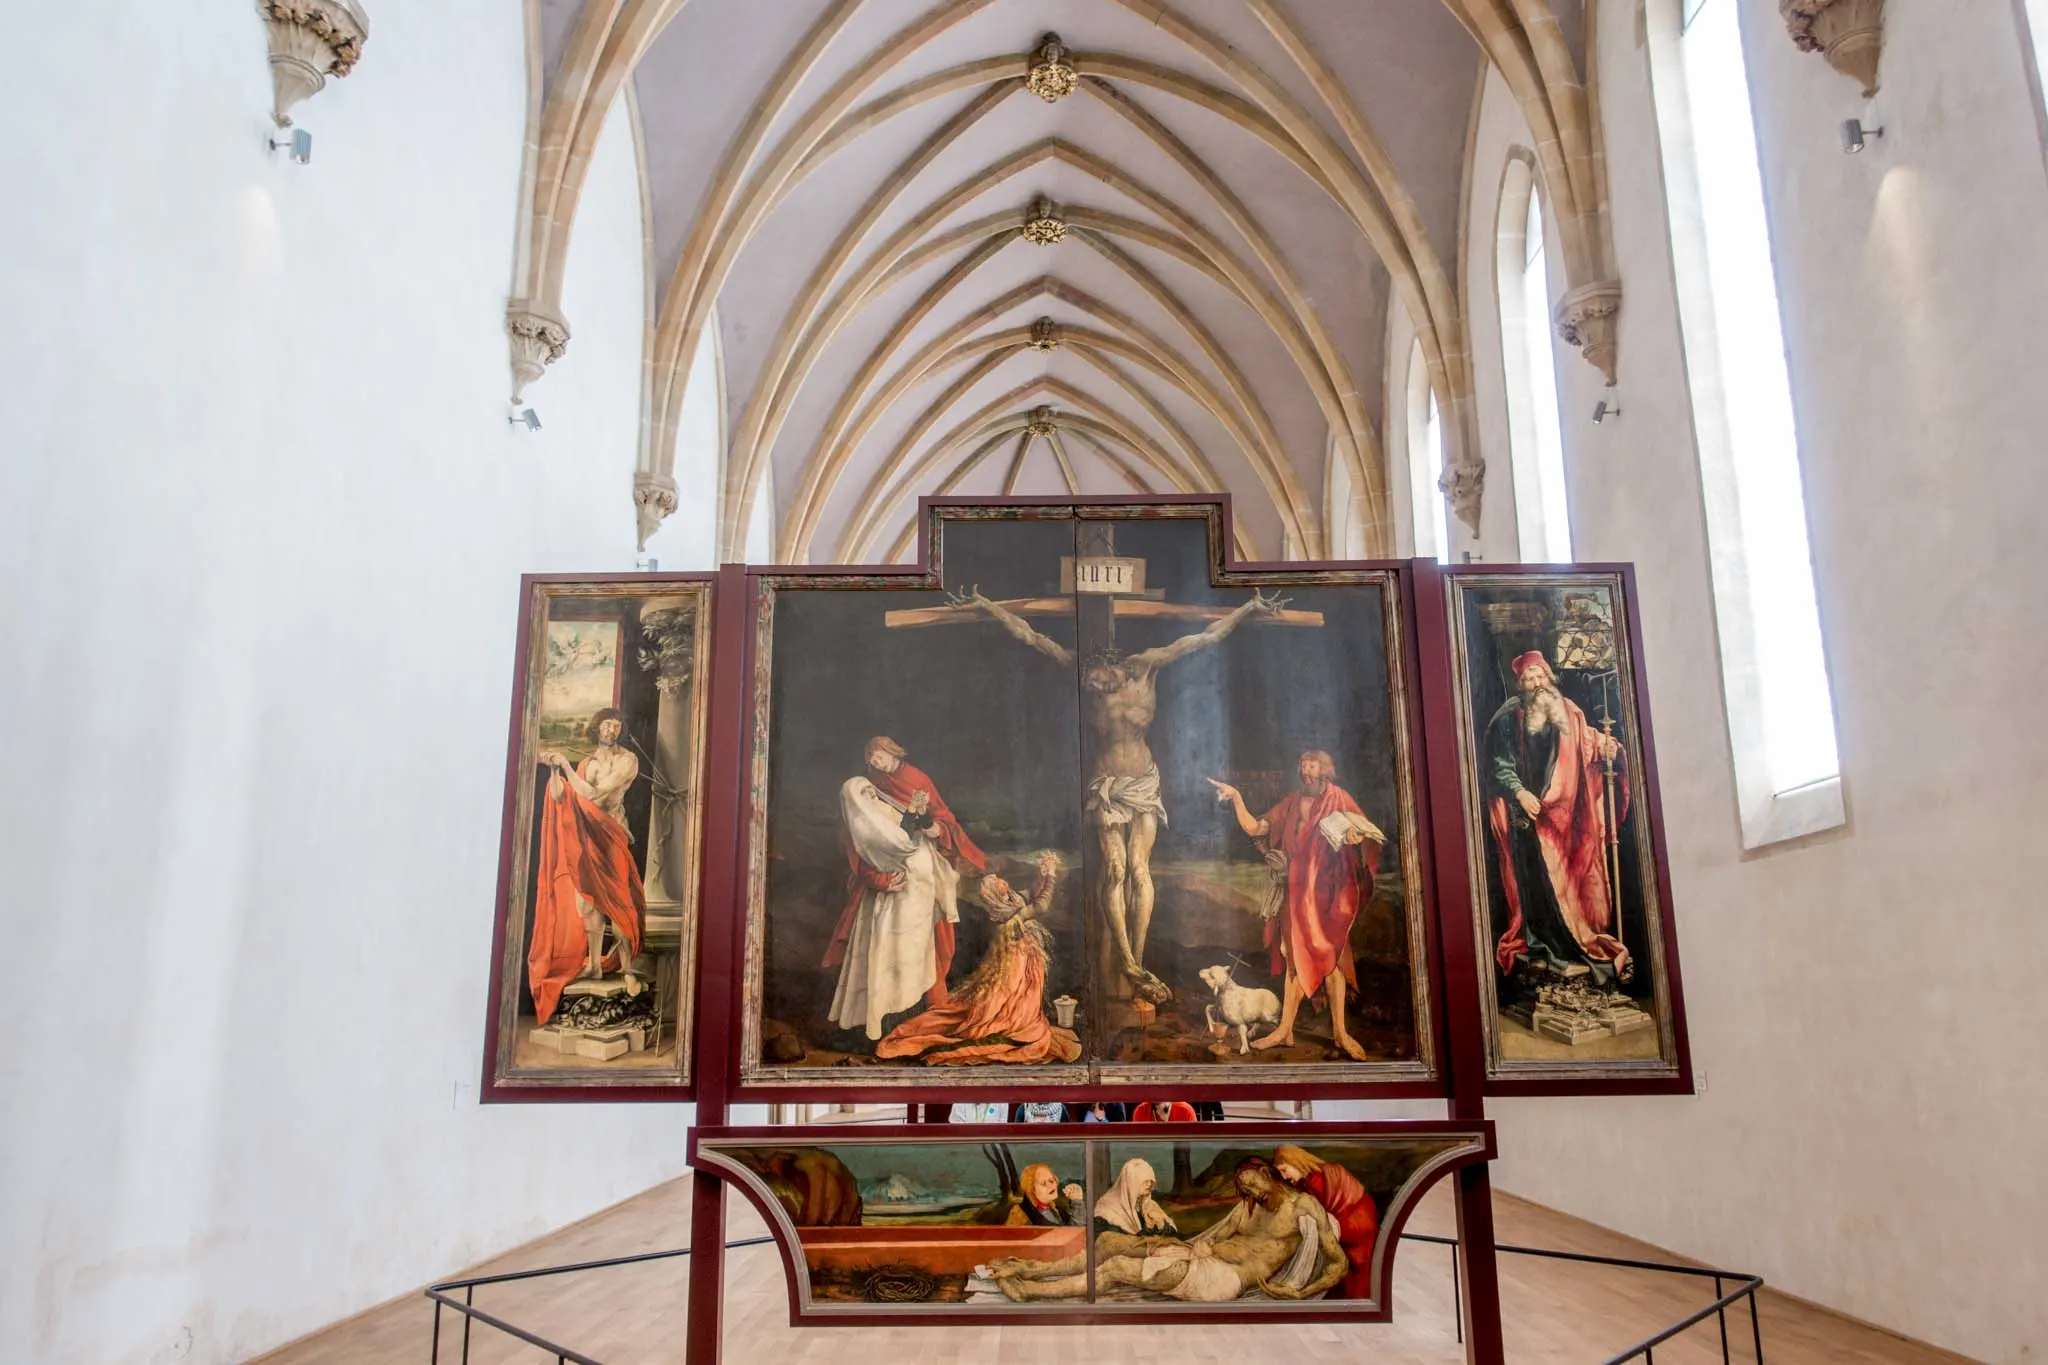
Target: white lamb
(1241, 1006)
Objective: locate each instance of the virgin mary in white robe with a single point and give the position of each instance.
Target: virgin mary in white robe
(890, 960)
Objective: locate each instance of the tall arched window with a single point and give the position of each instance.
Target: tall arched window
(1529, 362)
(1426, 463)
(1774, 671)
(688, 538)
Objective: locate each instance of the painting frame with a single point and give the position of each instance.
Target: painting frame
(714, 1150)
(674, 736)
(1423, 1075)
(1670, 1071)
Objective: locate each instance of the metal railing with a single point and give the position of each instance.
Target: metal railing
(1746, 1286)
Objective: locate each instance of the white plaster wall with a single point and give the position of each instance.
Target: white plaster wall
(261, 519)
(1864, 1005)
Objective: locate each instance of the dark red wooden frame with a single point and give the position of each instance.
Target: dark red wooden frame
(1258, 1133)
(1651, 803)
(493, 1090)
(908, 1091)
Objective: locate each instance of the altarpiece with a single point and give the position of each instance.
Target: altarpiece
(1077, 807)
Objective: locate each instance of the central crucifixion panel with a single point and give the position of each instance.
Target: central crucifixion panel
(1082, 804)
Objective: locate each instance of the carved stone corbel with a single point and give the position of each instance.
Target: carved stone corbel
(539, 336)
(1849, 33)
(1464, 489)
(1045, 335)
(654, 501)
(1587, 318)
(310, 40)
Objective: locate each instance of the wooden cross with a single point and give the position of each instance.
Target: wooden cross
(1106, 587)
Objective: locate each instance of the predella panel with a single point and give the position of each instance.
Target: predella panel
(597, 909)
(1572, 925)
(1082, 804)
(1268, 1221)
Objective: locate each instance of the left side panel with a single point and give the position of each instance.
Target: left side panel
(595, 944)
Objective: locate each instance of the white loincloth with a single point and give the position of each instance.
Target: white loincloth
(1120, 800)
(1210, 1280)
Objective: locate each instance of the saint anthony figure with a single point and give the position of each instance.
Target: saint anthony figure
(1350, 1208)
(998, 1015)
(1546, 770)
(1320, 842)
(890, 960)
(586, 879)
(1119, 696)
(925, 812)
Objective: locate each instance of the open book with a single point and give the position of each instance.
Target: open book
(1348, 827)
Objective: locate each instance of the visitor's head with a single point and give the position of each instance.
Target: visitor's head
(1294, 1164)
(1039, 1184)
(1317, 771)
(605, 727)
(885, 755)
(1256, 1180)
(1103, 671)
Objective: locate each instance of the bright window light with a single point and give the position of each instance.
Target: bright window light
(1551, 540)
(1426, 463)
(1756, 391)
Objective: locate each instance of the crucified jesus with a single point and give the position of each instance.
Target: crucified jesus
(1119, 695)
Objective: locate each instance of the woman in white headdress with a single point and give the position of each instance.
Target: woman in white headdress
(890, 961)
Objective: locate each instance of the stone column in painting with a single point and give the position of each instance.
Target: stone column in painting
(668, 633)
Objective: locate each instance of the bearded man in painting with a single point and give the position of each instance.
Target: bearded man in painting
(924, 814)
(1547, 774)
(586, 878)
(1324, 854)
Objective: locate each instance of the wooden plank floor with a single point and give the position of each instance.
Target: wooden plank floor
(1555, 1311)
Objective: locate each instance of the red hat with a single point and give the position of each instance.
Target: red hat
(1523, 662)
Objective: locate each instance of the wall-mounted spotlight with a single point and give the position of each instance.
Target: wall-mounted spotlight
(299, 145)
(1855, 135)
(524, 417)
(1603, 410)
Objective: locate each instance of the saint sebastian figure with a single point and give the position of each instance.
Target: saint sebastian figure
(586, 878)
(1546, 768)
(1328, 852)
(1119, 697)
(1350, 1208)
(998, 1015)
(924, 812)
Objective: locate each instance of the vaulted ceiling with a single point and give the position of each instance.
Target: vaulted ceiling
(946, 253)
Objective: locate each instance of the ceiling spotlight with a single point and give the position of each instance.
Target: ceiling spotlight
(524, 417)
(1603, 410)
(299, 145)
(1854, 135)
